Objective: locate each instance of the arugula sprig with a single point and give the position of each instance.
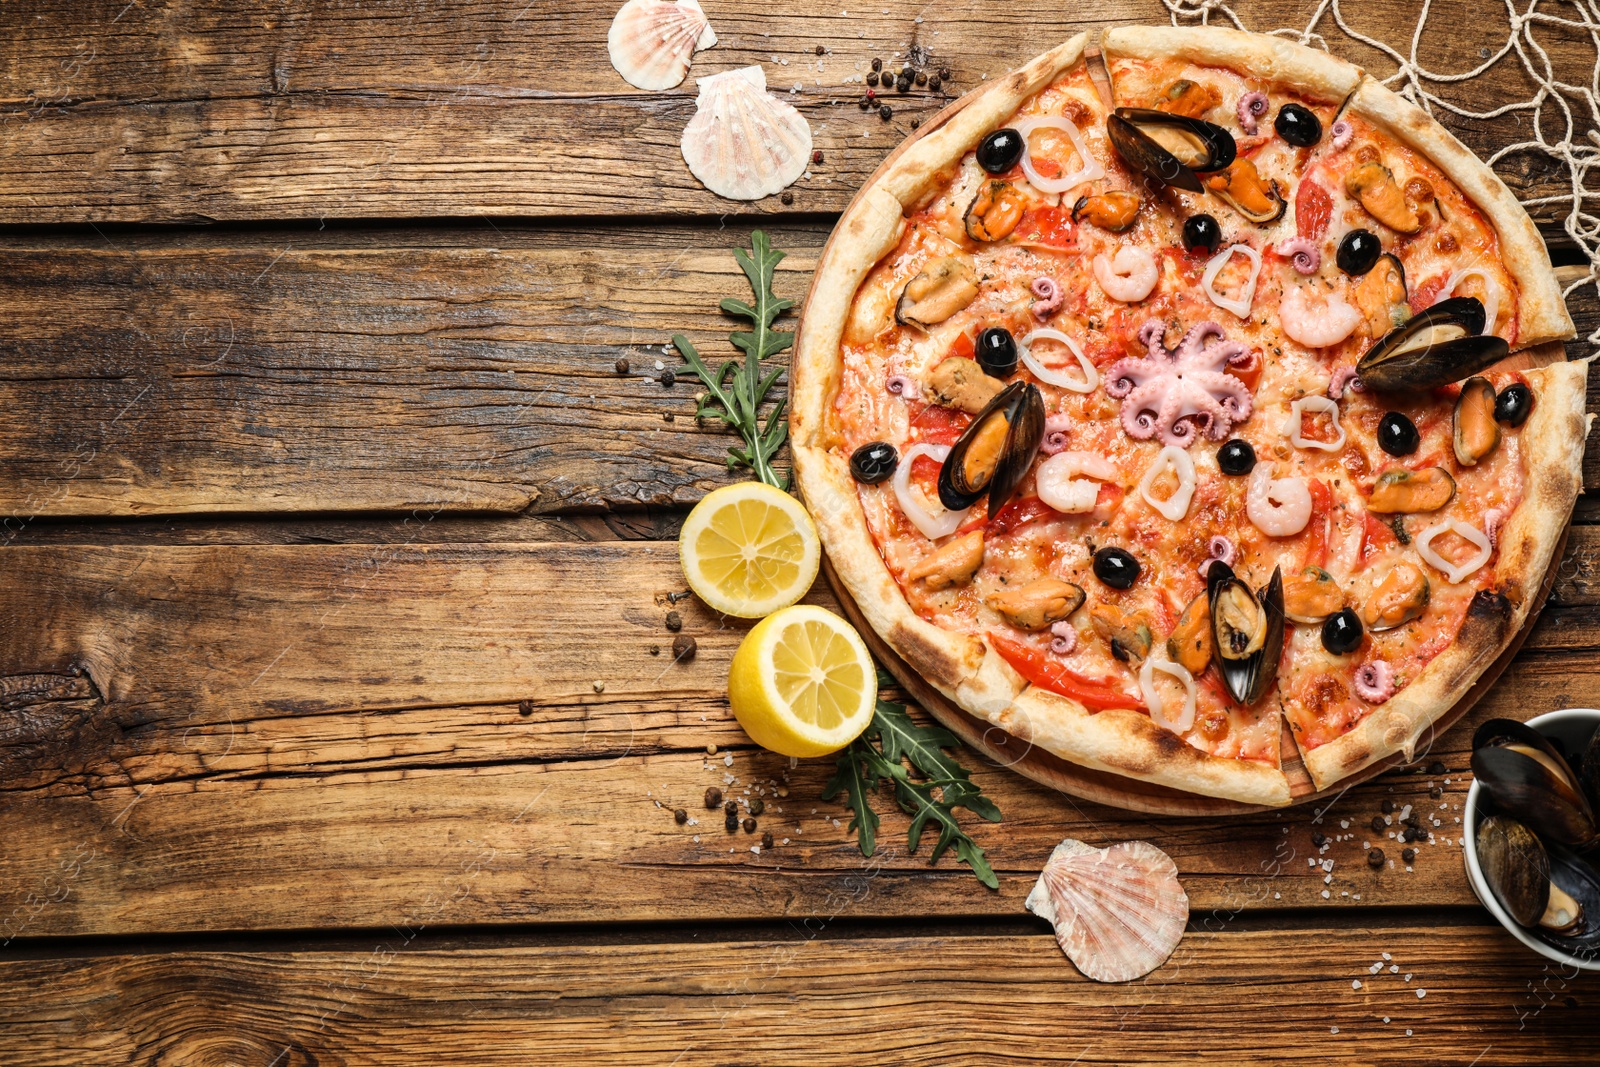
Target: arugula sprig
(736, 391)
(881, 754)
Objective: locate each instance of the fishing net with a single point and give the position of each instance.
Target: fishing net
(1558, 122)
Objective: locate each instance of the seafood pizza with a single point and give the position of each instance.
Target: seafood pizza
(1156, 399)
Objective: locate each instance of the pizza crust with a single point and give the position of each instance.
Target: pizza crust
(964, 668)
(1552, 439)
(1311, 72)
(1541, 309)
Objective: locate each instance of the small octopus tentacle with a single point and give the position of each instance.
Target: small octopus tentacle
(1181, 393)
(1050, 297)
(1251, 107)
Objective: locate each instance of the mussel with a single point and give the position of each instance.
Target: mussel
(1401, 596)
(993, 454)
(1037, 604)
(1191, 645)
(1532, 782)
(1475, 434)
(1311, 596)
(1167, 148)
(944, 287)
(1242, 188)
(1127, 635)
(1518, 870)
(1381, 295)
(994, 212)
(1246, 631)
(1440, 345)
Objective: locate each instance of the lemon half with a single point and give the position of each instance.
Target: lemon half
(749, 549)
(802, 683)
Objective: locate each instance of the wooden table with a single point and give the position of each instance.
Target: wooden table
(338, 721)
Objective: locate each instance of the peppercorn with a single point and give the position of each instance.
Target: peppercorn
(674, 621)
(668, 379)
(525, 708)
(934, 83)
(1378, 824)
(1437, 768)
(749, 825)
(907, 71)
(1318, 840)
(680, 816)
(1413, 820)
(783, 790)
(731, 807)
(821, 50)
(915, 123)
(877, 65)
(885, 112)
(816, 157)
(757, 806)
(787, 197)
(1436, 792)
(944, 73)
(921, 78)
(1387, 807)
(872, 79)
(902, 85)
(766, 839)
(1375, 858)
(655, 650)
(713, 797)
(864, 103)
(622, 365)
(1409, 855)
(731, 823)
(667, 416)
(683, 648)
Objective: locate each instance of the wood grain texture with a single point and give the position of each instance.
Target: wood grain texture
(423, 371)
(157, 112)
(300, 736)
(820, 1000)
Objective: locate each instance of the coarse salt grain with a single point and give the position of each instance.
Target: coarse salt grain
(1355, 983)
(1333, 1029)
(727, 761)
(1326, 894)
(1421, 993)
(1408, 1033)
(1394, 968)
(1387, 956)
(1344, 824)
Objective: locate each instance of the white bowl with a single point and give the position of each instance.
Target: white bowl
(1574, 727)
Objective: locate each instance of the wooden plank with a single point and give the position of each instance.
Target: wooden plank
(804, 997)
(297, 736)
(150, 113)
(407, 370)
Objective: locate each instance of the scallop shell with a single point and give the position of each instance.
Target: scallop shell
(1118, 911)
(653, 41)
(744, 143)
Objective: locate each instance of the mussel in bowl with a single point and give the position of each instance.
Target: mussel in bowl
(1167, 148)
(1246, 631)
(1528, 780)
(993, 454)
(1552, 892)
(1442, 344)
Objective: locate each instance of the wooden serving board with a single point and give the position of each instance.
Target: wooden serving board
(1104, 787)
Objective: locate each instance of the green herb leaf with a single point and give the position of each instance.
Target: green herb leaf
(852, 779)
(736, 391)
(898, 738)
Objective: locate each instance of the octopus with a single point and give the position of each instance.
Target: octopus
(1174, 393)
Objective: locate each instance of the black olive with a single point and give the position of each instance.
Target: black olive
(1201, 231)
(874, 462)
(997, 352)
(1116, 567)
(1236, 457)
(999, 152)
(1358, 252)
(1298, 125)
(1513, 404)
(1397, 435)
(1342, 632)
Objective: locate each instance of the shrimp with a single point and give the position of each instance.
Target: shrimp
(1279, 507)
(1060, 486)
(1129, 276)
(1316, 327)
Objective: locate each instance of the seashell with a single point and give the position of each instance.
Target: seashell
(653, 41)
(744, 143)
(1118, 911)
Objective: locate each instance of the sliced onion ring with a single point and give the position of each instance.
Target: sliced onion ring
(1175, 459)
(1183, 722)
(932, 526)
(1091, 376)
(1491, 294)
(1292, 428)
(1454, 573)
(1247, 295)
(1090, 171)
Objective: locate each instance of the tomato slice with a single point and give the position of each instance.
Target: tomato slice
(961, 348)
(1317, 528)
(937, 425)
(1032, 664)
(1313, 207)
(1019, 513)
(1377, 536)
(1051, 227)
